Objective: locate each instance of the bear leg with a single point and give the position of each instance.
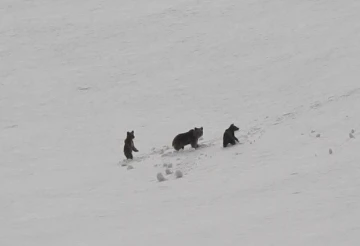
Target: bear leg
(194, 144)
(129, 155)
(225, 143)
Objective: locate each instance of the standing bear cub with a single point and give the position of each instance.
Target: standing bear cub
(229, 135)
(191, 137)
(129, 146)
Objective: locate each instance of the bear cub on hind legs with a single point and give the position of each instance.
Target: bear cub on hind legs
(229, 135)
(129, 146)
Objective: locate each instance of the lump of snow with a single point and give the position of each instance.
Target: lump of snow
(169, 165)
(318, 135)
(351, 135)
(130, 167)
(178, 174)
(165, 165)
(352, 131)
(160, 177)
(330, 151)
(168, 171)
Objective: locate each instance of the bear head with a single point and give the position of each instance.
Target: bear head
(130, 135)
(233, 128)
(198, 132)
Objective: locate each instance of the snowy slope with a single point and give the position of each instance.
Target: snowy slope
(76, 75)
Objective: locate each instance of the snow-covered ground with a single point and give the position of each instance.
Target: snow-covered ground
(76, 75)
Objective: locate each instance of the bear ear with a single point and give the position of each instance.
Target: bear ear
(132, 132)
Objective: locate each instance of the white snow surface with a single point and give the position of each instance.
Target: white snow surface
(76, 75)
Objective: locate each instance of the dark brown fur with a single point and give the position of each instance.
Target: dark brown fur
(229, 135)
(191, 137)
(129, 146)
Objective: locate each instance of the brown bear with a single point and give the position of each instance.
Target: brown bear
(129, 146)
(191, 137)
(229, 135)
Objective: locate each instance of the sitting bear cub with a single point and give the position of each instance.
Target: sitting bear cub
(191, 137)
(229, 135)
